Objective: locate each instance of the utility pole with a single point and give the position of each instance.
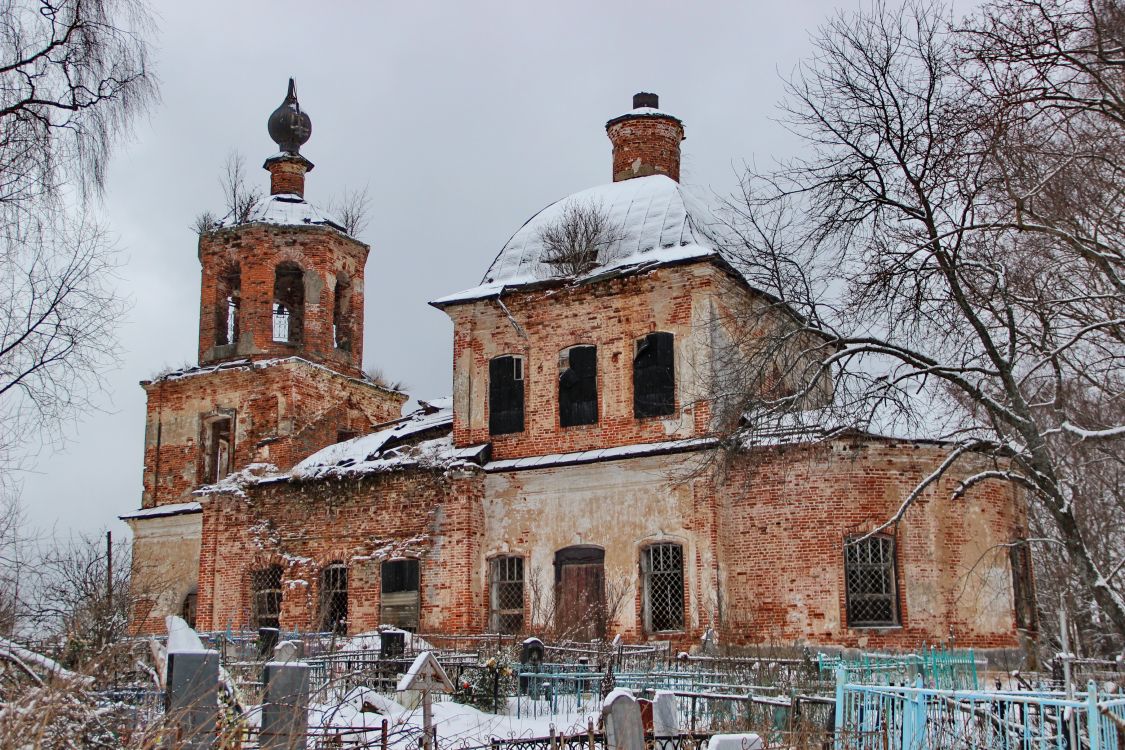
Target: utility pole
(109, 571)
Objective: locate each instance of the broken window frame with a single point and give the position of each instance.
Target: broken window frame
(334, 598)
(228, 302)
(506, 397)
(871, 581)
(188, 607)
(288, 304)
(400, 593)
(662, 587)
(654, 376)
(506, 594)
(217, 459)
(266, 597)
(578, 385)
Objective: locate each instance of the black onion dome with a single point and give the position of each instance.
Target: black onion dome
(289, 127)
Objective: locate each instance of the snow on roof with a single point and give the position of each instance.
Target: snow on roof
(376, 450)
(655, 220)
(285, 209)
(174, 509)
(643, 112)
(247, 364)
(600, 454)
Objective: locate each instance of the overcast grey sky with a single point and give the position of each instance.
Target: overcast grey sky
(461, 118)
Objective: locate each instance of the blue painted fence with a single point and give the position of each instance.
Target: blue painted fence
(882, 717)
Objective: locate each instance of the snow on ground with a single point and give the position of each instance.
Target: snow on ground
(454, 722)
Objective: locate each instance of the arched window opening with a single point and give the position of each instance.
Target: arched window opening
(505, 395)
(227, 308)
(662, 587)
(188, 608)
(265, 597)
(869, 568)
(216, 444)
(654, 376)
(334, 599)
(578, 386)
(342, 315)
(288, 303)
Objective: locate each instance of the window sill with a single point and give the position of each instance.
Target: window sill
(874, 627)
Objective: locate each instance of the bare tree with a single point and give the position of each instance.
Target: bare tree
(578, 239)
(73, 74)
(948, 256)
(241, 199)
(353, 209)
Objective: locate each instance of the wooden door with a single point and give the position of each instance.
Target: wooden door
(580, 594)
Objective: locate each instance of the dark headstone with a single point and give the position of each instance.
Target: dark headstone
(285, 706)
(392, 644)
(191, 702)
(267, 641)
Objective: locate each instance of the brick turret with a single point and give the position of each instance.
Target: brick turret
(645, 141)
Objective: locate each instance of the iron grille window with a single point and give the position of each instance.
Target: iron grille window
(505, 395)
(334, 599)
(662, 587)
(265, 597)
(578, 386)
(506, 594)
(654, 376)
(400, 600)
(869, 566)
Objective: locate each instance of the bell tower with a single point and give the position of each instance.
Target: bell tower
(282, 278)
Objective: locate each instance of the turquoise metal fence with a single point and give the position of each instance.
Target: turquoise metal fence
(887, 717)
(939, 667)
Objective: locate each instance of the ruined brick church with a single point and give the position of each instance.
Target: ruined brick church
(564, 486)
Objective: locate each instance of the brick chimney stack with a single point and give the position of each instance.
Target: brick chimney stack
(645, 141)
(290, 128)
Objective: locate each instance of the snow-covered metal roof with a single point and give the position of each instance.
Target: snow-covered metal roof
(654, 221)
(285, 209)
(173, 509)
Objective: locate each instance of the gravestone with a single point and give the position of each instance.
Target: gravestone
(192, 699)
(267, 641)
(285, 706)
(531, 656)
(288, 651)
(665, 714)
(622, 718)
(748, 741)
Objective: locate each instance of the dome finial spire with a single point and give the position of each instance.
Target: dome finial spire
(289, 127)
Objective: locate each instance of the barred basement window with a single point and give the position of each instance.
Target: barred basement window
(505, 395)
(288, 303)
(334, 599)
(578, 386)
(505, 610)
(654, 376)
(869, 567)
(265, 597)
(662, 587)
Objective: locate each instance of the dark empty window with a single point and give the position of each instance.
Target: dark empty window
(505, 608)
(288, 303)
(399, 599)
(869, 567)
(342, 435)
(226, 311)
(662, 587)
(578, 386)
(188, 608)
(654, 376)
(265, 597)
(334, 599)
(505, 395)
(342, 315)
(1026, 615)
